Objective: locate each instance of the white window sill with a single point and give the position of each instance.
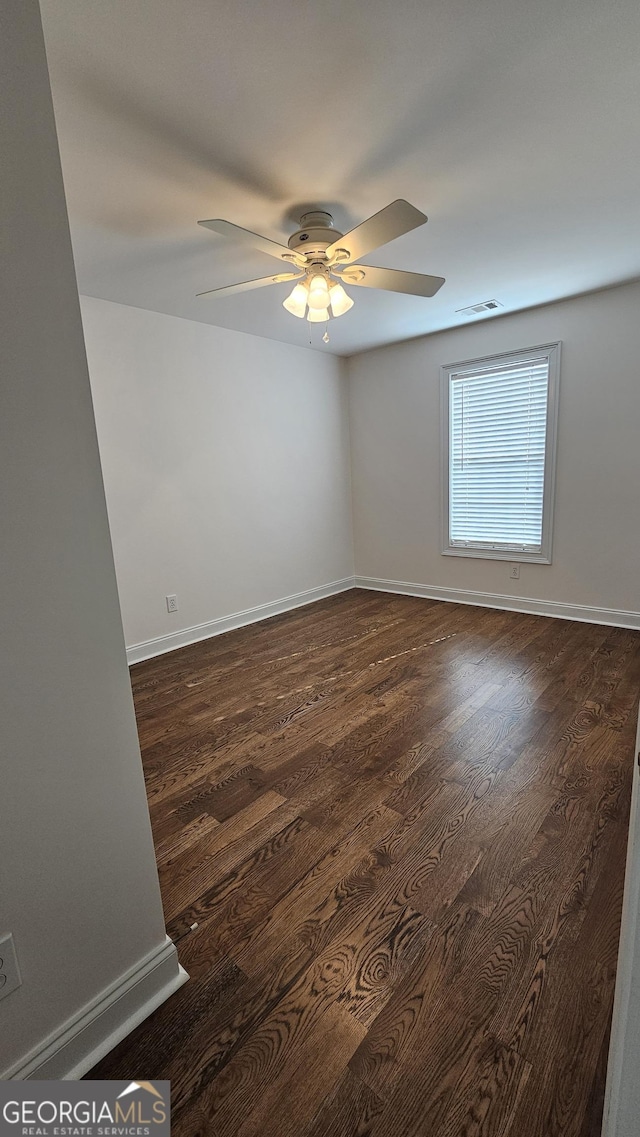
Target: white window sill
(512, 556)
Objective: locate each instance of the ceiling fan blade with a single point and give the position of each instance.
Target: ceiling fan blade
(246, 285)
(385, 226)
(228, 229)
(392, 280)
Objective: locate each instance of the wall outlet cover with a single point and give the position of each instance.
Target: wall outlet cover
(10, 978)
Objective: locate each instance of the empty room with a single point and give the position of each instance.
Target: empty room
(321, 610)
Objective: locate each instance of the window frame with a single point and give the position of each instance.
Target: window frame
(552, 353)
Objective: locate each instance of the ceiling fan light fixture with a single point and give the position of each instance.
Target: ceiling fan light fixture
(296, 302)
(339, 300)
(318, 292)
(324, 256)
(317, 315)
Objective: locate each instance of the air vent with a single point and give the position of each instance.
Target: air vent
(474, 309)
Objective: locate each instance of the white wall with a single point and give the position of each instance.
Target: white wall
(226, 466)
(395, 442)
(78, 882)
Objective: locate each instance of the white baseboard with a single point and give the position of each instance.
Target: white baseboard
(616, 618)
(161, 644)
(105, 1021)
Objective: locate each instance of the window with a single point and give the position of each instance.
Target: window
(499, 434)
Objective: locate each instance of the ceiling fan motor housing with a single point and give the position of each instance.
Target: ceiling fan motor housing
(315, 235)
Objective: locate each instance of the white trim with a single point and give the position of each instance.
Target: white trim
(101, 1024)
(620, 1090)
(496, 555)
(552, 351)
(616, 618)
(161, 644)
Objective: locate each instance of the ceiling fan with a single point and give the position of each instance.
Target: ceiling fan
(323, 260)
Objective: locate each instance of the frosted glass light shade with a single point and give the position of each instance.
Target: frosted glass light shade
(296, 303)
(340, 301)
(318, 293)
(317, 315)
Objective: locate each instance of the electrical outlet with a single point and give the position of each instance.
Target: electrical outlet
(515, 572)
(172, 603)
(10, 978)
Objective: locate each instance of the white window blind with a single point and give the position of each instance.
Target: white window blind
(497, 451)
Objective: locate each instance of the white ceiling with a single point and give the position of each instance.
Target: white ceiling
(513, 124)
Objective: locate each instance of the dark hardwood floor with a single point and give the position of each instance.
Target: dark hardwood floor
(401, 828)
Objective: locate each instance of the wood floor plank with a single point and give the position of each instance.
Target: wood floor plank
(348, 1110)
(382, 1056)
(488, 1103)
(243, 1094)
(227, 1028)
(200, 869)
(400, 827)
(333, 885)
